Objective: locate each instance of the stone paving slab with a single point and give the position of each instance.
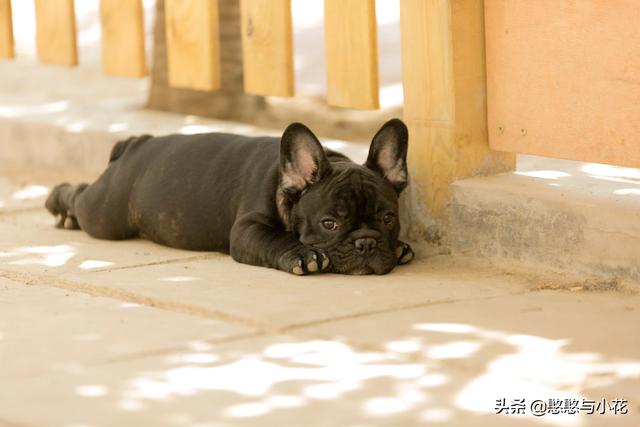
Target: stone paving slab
(280, 300)
(541, 345)
(270, 381)
(30, 243)
(44, 329)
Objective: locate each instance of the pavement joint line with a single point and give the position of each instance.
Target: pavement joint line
(208, 255)
(126, 296)
(303, 325)
(261, 327)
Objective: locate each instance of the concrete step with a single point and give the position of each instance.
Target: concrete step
(582, 217)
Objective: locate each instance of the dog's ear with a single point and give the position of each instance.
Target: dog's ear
(303, 161)
(388, 153)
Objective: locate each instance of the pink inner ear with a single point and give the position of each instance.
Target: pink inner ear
(300, 173)
(305, 165)
(390, 165)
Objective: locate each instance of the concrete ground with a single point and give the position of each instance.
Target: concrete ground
(96, 333)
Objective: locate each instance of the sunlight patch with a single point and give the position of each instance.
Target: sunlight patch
(93, 263)
(30, 192)
(384, 406)
(627, 191)
(330, 390)
(180, 279)
(52, 256)
(452, 328)
(435, 415)
(92, 390)
(246, 410)
(544, 174)
(454, 350)
(285, 401)
(406, 346)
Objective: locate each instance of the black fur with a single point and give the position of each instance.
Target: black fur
(264, 200)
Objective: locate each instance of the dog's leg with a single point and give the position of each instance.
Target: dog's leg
(254, 240)
(60, 204)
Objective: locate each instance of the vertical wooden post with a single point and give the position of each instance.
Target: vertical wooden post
(443, 61)
(6, 30)
(267, 53)
(193, 46)
(351, 53)
(56, 32)
(122, 27)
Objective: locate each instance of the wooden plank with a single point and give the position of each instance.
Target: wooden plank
(6, 30)
(56, 32)
(351, 53)
(444, 97)
(563, 78)
(122, 27)
(193, 46)
(266, 47)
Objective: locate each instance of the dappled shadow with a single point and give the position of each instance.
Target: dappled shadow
(438, 373)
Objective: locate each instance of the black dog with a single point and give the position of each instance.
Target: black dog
(284, 203)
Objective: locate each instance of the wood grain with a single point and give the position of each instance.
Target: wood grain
(351, 53)
(122, 27)
(266, 47)
(56, 32)
(444, 97)
(6, 30)
(193, 46)
(564, 78)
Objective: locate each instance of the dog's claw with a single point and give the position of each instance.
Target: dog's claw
(404, 253)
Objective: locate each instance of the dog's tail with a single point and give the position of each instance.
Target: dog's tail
(118, 150)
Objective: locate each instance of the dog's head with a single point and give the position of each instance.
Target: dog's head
(348, 210)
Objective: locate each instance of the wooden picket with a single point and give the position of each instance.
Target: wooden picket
(351, 53)
(266, 47)
(6, 30)
(56, 32)
(122, 27)
(193, 46)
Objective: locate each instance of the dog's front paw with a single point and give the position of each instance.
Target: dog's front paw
(304, 260)
(404, 253)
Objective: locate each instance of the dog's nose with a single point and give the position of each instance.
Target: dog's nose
(365, 245)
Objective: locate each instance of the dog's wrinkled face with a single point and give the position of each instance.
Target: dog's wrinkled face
(350, 211)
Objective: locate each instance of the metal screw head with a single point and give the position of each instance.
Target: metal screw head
(523, 131)
(500, 129)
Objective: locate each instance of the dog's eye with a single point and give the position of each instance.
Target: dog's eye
(389, 219)
(330, 224)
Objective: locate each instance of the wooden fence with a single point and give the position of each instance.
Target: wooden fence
(444, 63)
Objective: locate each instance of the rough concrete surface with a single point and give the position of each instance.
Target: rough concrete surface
(582, 217)
(97, 333)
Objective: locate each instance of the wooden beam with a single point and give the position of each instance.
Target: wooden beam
(122, 27)
(351, 53)
(6, 30)
(563, 78)
(443, 64)
(267, 52)
(193, 46)
(56, 32)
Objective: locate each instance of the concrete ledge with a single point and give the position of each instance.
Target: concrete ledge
(583, 218)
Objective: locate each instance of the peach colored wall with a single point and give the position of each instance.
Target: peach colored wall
(563, 78)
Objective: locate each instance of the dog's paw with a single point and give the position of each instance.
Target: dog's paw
(305, 260)
(404, 253)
